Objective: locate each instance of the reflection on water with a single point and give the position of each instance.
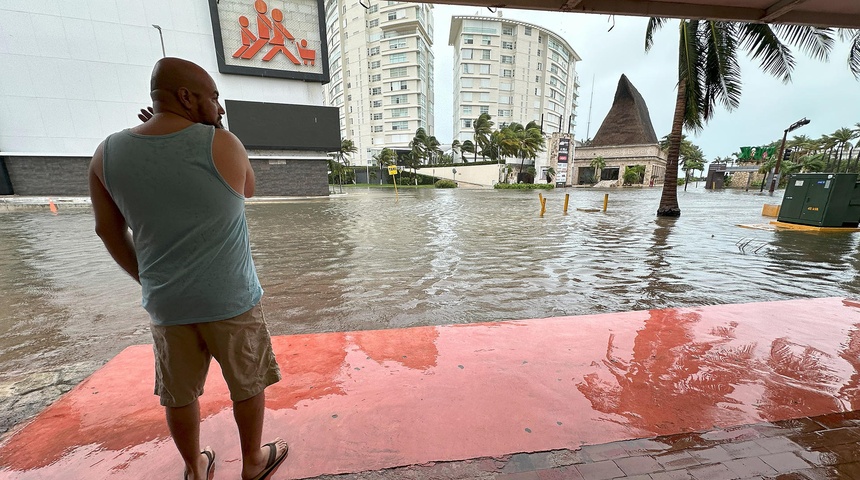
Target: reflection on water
(362, 261)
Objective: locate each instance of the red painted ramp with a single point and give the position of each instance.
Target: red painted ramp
(368, 400)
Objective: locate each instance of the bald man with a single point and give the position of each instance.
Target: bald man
(179, 184)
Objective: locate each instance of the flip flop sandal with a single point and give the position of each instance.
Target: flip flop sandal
(273, 462)
(210, 468)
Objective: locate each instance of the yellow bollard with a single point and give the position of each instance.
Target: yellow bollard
(566, 200)
(605, 200)
(542, 206)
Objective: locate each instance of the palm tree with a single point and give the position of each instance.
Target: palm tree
(709, 73)
(468, 147)
(483, 128)
(521, 142)
(431, 148)
(419, 144)
(347, 148)
(598, 164)
(843, 138)
(384, 158)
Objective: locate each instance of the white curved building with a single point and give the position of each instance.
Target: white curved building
(515, 71)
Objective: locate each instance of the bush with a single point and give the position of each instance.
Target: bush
(443, 183)
(524, 186)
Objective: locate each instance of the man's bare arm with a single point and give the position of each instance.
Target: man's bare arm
(111, 226)
(232, 162)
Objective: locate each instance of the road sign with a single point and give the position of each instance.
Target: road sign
(392, 170)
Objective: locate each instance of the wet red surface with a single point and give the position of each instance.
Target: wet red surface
(369, 400)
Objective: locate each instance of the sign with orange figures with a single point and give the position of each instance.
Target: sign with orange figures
(271, 38)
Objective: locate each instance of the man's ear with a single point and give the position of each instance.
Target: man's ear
(185, 98)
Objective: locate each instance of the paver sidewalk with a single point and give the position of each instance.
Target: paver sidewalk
(823, 447)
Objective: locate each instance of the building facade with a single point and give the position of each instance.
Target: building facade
(74, 73)
(381, 64)
(515, 72)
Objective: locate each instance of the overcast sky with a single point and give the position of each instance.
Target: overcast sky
(825, 93)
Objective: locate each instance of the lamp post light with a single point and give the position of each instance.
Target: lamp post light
(794, 126)
(160, 36)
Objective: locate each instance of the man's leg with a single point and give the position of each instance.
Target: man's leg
(184, 424)
(249, 420)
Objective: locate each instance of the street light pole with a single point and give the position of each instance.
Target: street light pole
(160, 36)
(794, 126)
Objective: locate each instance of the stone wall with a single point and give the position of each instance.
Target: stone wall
(68, 176)
(623, 156)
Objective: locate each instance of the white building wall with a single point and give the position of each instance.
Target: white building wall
(72, 72)
(369, 48)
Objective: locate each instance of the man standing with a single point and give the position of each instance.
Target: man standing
(179, 183)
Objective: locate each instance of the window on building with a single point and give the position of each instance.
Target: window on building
(400, 125)
(376, 77)
(468, 68)
(527, 31)
(399, 112)
(485, 40)
(376, 128)
(373, 51)
(485, 54)
(540, 66)
(468, 40)
(399, 85)
(506, 86)
(506, 100)
(466, 96)
(485, 83)
(537, 91)
(507, 29)
(485, 109)
(374, 64)
(376, 116)
(376, 103)
(467, 123)
(397, 58)
(467, 110)
(508, 45)
(399, 99)
(485, 69)
(507, 73)
(507, 59)
(395, 44)
(373, 8)
(398, 72)
(540, 38)
(466, 83)
(485, 96)
(537, 78)
(373, 23)
(505, 113)
(539, 52)
(466, 54)
(376, 90)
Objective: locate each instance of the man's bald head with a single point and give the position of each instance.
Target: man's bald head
(183, 88)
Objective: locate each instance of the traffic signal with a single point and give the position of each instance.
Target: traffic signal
(787, 155)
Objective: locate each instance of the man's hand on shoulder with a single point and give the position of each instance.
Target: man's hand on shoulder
(145, 114)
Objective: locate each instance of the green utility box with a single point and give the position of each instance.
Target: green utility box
(822, 200)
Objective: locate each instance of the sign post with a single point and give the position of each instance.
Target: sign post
(392, 170)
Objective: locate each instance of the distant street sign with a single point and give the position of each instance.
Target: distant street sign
(392, 170)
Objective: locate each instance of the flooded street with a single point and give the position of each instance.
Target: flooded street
(363, 261)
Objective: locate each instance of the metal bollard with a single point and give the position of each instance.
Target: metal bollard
(605, 201)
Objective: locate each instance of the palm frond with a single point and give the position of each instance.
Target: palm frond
(762, 43)
(689, 73)
(654, 24)
(722, 75)
(817, 42)
(854, 55)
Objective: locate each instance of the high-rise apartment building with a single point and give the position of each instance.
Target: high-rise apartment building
(515, 71)
(381, 65)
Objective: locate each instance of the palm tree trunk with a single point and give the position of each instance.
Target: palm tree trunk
(669, 199)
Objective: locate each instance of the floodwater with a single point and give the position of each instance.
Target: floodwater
(365, 261)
